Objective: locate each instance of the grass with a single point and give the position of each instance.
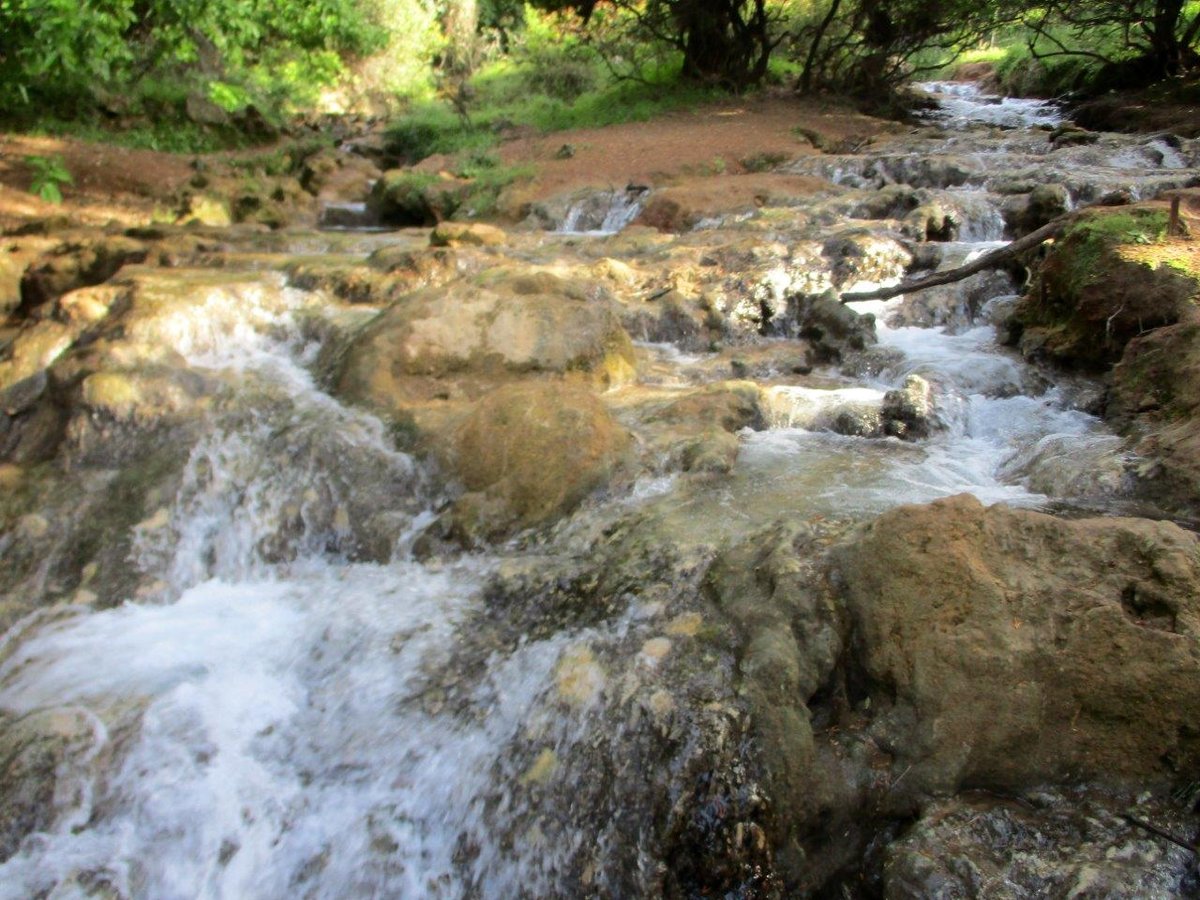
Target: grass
(503, 96)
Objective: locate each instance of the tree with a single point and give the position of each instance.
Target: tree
(721, 42)
(867, 46)
(1146, 39)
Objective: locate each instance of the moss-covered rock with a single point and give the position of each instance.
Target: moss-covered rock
(455, 234)
(404, 197)
(1113, 275)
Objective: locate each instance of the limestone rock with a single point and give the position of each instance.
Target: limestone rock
(498, 323)
(907, 412)
(1010, 648)
(832, 327)
(88, 260)
(1043, 844)
(698, 431)
(453, 234)
(1045, 203)
(205, 209)
(38, 755)
(529, 453)
(1155, 398)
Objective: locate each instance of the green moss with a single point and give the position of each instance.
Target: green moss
(1091, 238)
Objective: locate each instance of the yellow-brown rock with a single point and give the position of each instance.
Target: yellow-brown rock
(529, 453)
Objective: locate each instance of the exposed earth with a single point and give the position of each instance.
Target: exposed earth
(114, 183)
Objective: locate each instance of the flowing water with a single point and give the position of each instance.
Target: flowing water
(276, 719)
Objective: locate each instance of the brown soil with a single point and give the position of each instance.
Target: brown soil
(117, 184)
(725, 138)
(110, 183)
(1151, 110)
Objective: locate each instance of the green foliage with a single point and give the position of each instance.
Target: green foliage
(1135, 226)
(49, 175)
(65, 60)
(230, 97)
(503, 100)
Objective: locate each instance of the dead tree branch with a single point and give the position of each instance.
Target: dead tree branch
(993, 260)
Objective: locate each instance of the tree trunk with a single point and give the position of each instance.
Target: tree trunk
(719, 44)
(460, 24)
(1164, 42)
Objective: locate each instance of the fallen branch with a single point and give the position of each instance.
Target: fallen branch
(1162, 833)
(992, 260)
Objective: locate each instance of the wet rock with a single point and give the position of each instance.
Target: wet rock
(586, 209)
(1041, 844)
(351, 282)
(275, 202)
(43, 756)
(688, 323)
(528, 454)
(337, 176)
(454, 234)
(1072, 136)
(857, 420)
(832, 327)
(952, 306)
(34, 348)
(692, 201)
(933, 222)
(698, 431)
(410, 269)
(91, 260)
(865, 256)
(1045, 203)
(908, 412)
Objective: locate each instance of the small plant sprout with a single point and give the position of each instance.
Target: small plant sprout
(49, 175)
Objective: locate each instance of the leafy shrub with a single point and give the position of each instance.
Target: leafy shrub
(49, 175)
(564, 71)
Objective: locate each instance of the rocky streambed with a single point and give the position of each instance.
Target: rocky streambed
(483, 562)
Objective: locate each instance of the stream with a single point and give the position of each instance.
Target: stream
(271, 715)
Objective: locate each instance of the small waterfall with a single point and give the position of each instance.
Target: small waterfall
(603, 212)
(963, 103)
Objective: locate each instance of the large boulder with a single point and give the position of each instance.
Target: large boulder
(529, 453)
(498, 324)
(1007, 647)
(949, 647)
